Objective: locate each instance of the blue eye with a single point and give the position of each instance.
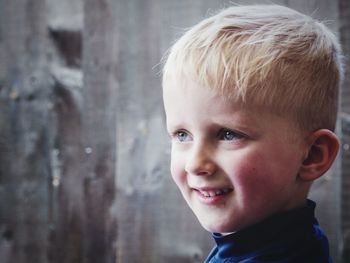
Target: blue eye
(228, 135)
(182, 136)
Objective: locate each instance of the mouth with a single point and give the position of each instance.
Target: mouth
(207, 193)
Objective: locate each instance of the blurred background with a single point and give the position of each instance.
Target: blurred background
(84, 157)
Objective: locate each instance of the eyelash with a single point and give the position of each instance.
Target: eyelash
(177, 135)
(223, 135)
(233, 135)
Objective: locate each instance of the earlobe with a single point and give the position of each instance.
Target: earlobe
(322, 151)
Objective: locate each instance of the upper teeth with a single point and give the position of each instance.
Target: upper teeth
(214, 193)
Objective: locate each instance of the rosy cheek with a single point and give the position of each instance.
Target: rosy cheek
(177, 170)
(251, 177)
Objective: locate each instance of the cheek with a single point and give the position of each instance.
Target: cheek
(263, 177)
(177, 170)
(253, 176)
(249, 172)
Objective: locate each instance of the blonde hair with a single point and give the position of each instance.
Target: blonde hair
(264, 55)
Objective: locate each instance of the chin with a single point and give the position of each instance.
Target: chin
(218, 227)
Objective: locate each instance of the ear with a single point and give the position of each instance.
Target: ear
(323, 148)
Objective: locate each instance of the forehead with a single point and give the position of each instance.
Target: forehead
(190, 104)
(193, 104)
(185, 94)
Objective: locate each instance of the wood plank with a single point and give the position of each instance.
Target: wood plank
(24, 111)
(99, 132)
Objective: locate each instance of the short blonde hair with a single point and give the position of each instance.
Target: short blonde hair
(264, 55)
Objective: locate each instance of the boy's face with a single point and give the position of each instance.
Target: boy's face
(233, 166)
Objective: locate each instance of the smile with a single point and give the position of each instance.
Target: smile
(213, 193)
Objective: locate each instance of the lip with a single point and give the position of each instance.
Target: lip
(211, 195)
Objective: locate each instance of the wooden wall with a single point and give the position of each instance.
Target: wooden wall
(344, 28)
(84, 157)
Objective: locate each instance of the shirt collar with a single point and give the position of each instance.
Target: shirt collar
(272, 230)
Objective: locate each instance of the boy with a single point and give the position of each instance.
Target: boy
(250, 97)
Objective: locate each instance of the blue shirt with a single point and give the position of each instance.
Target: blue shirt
(292, 236)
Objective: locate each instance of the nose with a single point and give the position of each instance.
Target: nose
(200, 160)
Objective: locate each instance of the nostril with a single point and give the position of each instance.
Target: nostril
(203, 173)
(203, 169)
